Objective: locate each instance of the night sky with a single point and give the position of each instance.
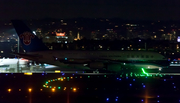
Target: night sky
(125, 9)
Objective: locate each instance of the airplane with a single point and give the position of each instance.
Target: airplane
(10, 65)
(36, 50)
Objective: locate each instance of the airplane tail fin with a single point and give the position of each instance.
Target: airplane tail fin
(29, 41)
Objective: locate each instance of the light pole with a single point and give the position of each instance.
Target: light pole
(18, 57)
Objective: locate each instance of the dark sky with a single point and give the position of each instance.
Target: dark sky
(126, 9)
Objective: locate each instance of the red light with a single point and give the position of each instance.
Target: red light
(60, 34)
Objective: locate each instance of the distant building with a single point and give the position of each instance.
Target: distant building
(78, 37)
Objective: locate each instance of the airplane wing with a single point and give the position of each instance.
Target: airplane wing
(28, 56)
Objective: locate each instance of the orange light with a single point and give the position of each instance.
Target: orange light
(27, 73)
(24, 59)
(40, 89)
(74, 89)
(19, 89)
(30, 89)
(9, 90)
(60, 34)
(53, 90)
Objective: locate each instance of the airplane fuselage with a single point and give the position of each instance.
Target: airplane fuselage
(83, 57)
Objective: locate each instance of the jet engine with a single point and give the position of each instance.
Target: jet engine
(114, 67)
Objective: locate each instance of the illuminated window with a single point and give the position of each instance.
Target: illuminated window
(1, 51)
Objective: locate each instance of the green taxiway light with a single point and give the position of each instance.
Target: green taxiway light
(145, 72)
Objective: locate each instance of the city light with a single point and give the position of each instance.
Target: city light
(60, 34)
